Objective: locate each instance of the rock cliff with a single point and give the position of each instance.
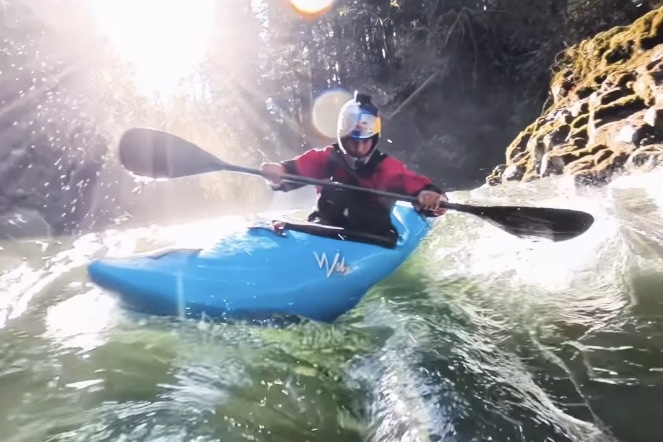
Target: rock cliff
(605, 115)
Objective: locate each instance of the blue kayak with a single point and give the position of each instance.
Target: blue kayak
(278, 269)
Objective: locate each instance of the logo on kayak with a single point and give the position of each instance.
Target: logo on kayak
(335, 266)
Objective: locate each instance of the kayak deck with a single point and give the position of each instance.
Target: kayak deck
(332, 232)
(288, 268)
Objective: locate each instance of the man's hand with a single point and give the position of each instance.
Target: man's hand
(430, 200)
(273, 172)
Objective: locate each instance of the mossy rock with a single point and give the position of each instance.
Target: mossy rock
(588, 64)
(618, 109)
(602, 88)
(646, 158)
(580, 123)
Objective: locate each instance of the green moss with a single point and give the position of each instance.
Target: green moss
(580, 141)
(619, 53)
(625, 105)
(613, 95)
(624, 78)
(601, 156)
(560, 133)
(580, 122)
(654, 34)
(608, 65)
(579, 127)
(518, 145)
(589, 162)
(588, 64)
(570, 153)
(585, 91)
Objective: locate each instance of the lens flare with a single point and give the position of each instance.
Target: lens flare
(326, 108)
(312, 8)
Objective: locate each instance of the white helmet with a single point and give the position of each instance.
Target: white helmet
(358, 119)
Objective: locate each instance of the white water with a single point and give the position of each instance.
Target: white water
(479, 335)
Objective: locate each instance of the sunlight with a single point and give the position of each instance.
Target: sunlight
(69, 328)
(162, 39)
(312, 8)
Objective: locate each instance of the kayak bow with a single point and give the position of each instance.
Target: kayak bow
(306, 270)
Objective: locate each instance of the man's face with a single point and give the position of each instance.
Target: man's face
(357, 148)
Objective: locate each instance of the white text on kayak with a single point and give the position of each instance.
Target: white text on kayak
(337, 265)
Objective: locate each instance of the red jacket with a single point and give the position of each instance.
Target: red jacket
(352, 209)
(382, 172)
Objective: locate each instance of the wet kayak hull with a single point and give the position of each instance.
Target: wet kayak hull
(258, 272)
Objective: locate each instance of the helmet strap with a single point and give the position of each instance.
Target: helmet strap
(355, 162)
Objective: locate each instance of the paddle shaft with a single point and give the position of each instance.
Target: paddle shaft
(326, 183)
(157, 154)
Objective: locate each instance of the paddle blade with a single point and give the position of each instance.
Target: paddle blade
(157, 154)
(529, 222)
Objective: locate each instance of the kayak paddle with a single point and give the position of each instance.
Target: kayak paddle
(158, 154)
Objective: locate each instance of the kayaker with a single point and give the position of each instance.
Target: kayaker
(355, 159)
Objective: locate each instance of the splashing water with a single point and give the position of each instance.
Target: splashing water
(479, 336)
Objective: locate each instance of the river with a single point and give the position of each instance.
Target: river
(478, 337)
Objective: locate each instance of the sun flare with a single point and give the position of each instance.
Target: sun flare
(312, 8)
(162, 39)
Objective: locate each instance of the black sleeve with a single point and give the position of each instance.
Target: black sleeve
(432, 187)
